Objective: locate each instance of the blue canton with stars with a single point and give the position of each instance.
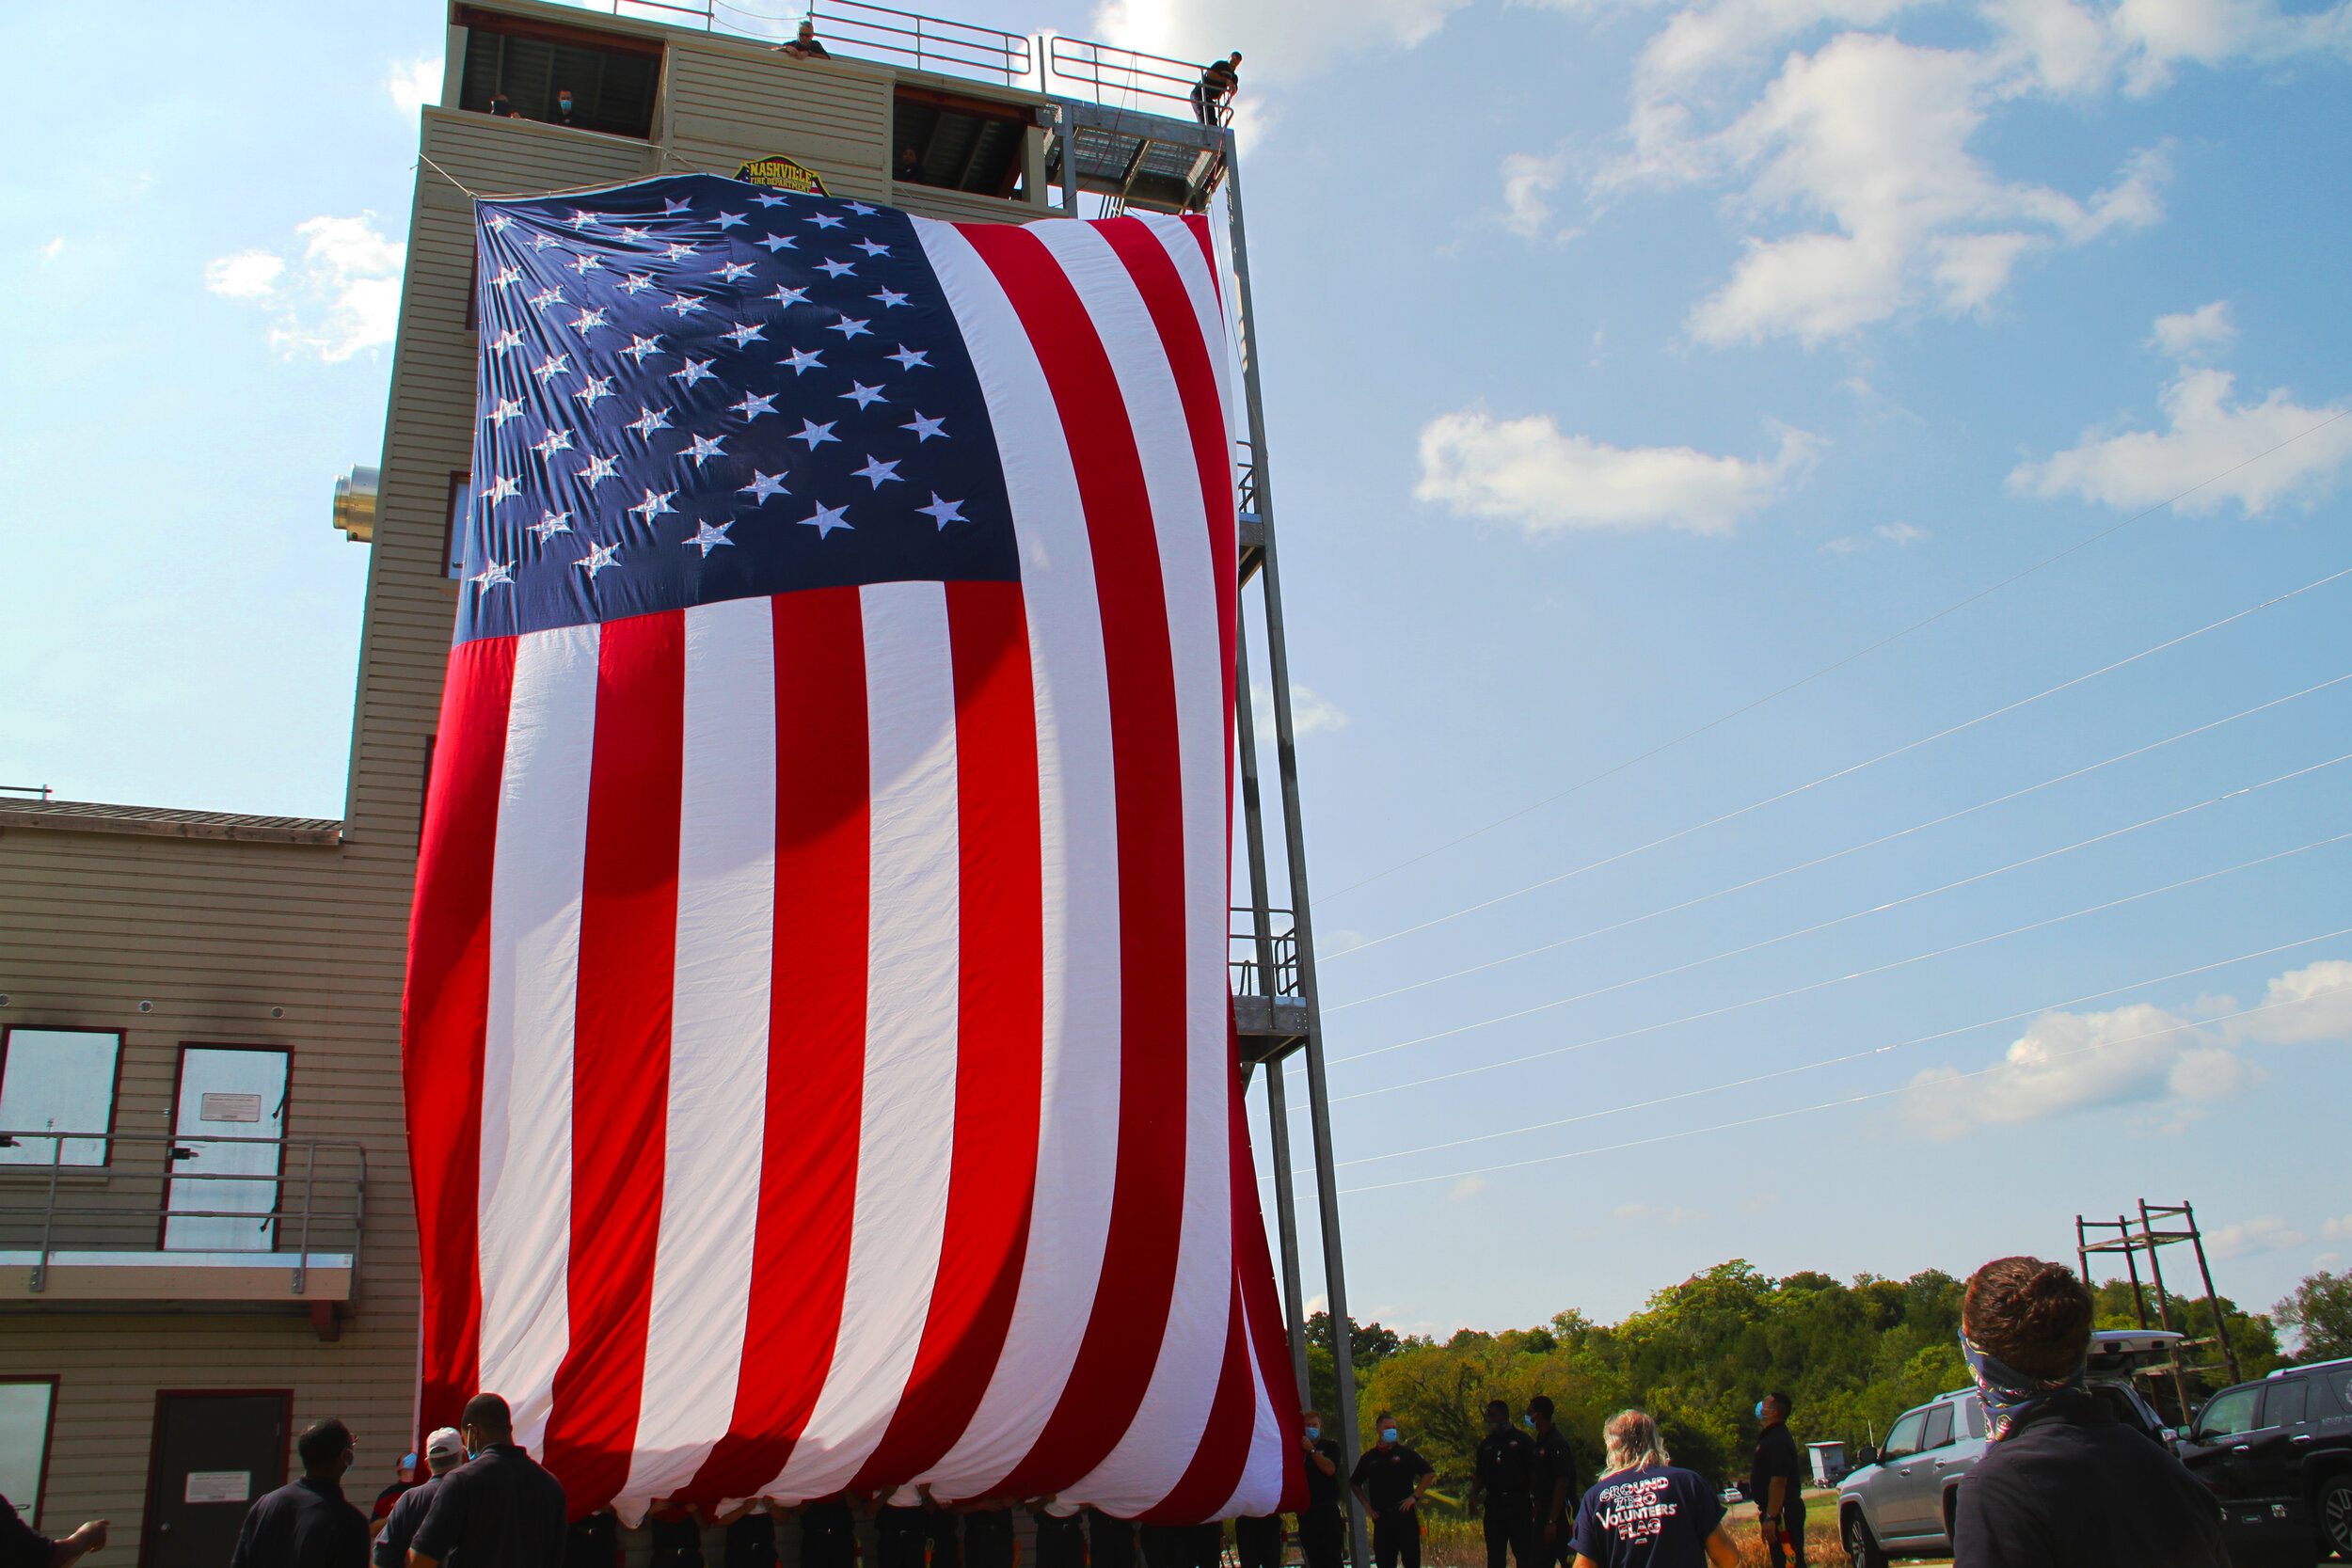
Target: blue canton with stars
(692, 389)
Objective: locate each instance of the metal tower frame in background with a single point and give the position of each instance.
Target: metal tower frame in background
(2147, 1239)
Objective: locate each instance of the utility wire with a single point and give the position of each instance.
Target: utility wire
(1839, 854)
(1874, 1051)
(1837, 979)
(1855, 914)
(1834, 665)
(1768, 1116)
(1840, 773)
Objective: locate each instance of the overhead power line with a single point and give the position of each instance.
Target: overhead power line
(1874, 1051)
(1812, 985)
(1857, 914)
(1839, 854)
(1775, 1116)
(1833, 666)
(1840, 773)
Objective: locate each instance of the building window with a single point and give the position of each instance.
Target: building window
(57, 1080)
(28, 1406)
(524, 67)
(453, 525)
(958, 143)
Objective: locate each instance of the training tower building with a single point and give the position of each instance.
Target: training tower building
(206, 1235)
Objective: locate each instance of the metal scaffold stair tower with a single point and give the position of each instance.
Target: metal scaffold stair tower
(2131, 1238)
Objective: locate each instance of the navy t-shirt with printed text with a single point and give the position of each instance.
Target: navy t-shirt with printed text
(1656, 1516)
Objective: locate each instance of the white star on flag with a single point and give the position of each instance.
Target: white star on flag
(889, 297)
(872, 249)
(679, 249)
(910, 358)
(924, 429)
(672, 207)
(597, 471)
(803, 360)
(790, 296)
(825, 220)
(832, 268)
(598, 386)
(548, 370)
(762, 487)
(502, 486)
(709, 537)
(744, 333)
(861, 394)
(598, 559)
(590, 320)
(637, 282)
(586, 262)
(847, 328)
(508, 409)
(654, 505)
(550, 524)
(696, 370)
(754, 405)
(943, 513)
(733, 270)
(876, 471)
(683, 305)
(704, 446)
(508, 338)
(729, 220)
(648, 420)
(774, 243)
(557, 440)
(640, 347)
(493, 576)
(827, 520)
(583, 220)
(813, 434)
(545, 298)
(507, 274)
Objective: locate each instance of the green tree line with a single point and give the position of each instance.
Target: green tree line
(1852, 1356)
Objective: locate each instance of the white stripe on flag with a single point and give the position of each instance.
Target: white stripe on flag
(1152, 1457)
(907, 1129)
(717, 1090)
(1078, 1124)
(524, 1199)
(1261, 1475)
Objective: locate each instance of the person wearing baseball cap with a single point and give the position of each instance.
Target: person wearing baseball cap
(443, 1452)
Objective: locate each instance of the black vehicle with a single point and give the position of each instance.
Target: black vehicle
(2279, 1455)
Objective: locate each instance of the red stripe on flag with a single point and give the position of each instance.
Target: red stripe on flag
(815, 1039)
(620, 1047)
(1000, 1027)
(1122, 1343)
(442, 1014)
(1216, 1465)
(1179, 325)
(1254, 1266)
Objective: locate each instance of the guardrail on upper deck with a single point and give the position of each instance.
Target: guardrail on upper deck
(857, 29)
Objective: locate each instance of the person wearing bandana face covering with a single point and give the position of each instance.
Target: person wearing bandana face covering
(2062, 1483)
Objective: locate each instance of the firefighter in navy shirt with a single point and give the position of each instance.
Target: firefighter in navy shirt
(1777, 1483)
(1554, 1486)
(1389, 1480)
(1321, 1528)
(1503, 1480)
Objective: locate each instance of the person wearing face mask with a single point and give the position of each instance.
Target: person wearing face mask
(1389, 1481)
(565, 113)
(1776, 1481)
(1321, 1530)
(1501, 1481)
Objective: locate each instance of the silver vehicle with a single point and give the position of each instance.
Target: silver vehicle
(1902, 1503)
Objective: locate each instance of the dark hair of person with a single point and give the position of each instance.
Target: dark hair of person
(488, 1415)
(2035, 1316)
(321, 1444)
(1785, 1404)
(1503, 1405)
(1540, 1405)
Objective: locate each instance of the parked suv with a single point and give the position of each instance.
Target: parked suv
(1901, 1504)
(2278, 1454)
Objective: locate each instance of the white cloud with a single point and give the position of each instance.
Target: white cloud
(2338, 1229)
(248, 275)
(2263, 1234)
(414, 84)
(51, 251)
(343, 295)
(2212, 442)
(2189, 333)
(2302, 1005)
(2068, 1061)
(1525, 471)
(1873, 135)
(1528, 180)
(1282, 42)
(1901, 533)
(1465, 1189)
(1310, 714)
(2140, 1053)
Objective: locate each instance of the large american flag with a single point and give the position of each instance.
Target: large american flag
(819, 1062)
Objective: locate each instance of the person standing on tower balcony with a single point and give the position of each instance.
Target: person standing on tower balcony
(804, 45)
(1219, 83)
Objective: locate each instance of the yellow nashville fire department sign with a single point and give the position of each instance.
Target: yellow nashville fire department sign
(782, 173)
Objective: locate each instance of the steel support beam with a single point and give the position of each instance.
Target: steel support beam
(1294, 843)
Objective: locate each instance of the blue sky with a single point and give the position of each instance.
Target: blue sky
(1627, 363)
